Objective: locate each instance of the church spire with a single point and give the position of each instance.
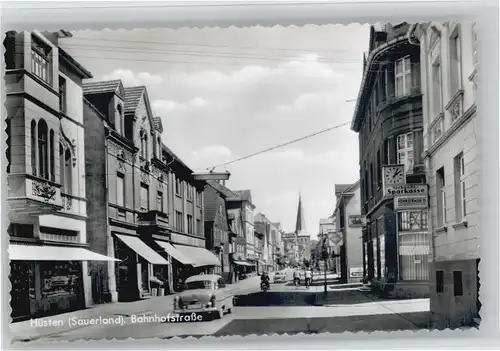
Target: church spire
(300, 226)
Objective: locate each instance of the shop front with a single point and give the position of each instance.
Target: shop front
(136, 267)
(48, 280)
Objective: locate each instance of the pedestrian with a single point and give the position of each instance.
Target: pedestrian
(296, 277)
(308, 278)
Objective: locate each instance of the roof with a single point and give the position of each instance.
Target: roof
(133, 97)
(245, 195)
(82, 71)
(222, 189)
(203, 277)
(341, 188)
(109, 86)
(175, 157)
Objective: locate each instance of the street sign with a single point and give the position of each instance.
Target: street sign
(357, 221)
(410, 202)
(335, 239)
(356, 272)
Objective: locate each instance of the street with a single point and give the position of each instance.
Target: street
(348, 310)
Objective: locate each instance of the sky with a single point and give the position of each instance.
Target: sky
(227, 93)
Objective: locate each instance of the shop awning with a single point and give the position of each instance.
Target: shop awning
(242, 263)
(54, 253)
(407, 250)
(199, 256)
(176, 254)
(142, 249)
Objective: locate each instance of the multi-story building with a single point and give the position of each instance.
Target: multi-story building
(260, 229)
(331, 239)
(303, 236)
(237, 227)
(247, 212)
(388, 119)
(217, 231)
(349, 224)
(291, 248)
(146, 208)
(45, 173)
(270, 238)
(278, 248)
(448, 65)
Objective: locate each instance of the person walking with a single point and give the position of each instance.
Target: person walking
(308, 278)
(296, 278)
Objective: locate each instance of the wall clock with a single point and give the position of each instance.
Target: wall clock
(394, 174)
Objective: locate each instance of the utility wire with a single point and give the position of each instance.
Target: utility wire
(280, 145)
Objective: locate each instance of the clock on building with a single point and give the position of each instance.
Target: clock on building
(394, 174)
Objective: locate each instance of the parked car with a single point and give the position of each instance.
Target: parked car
(279, 277)
(205, 293)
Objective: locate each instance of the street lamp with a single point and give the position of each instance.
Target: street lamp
(324, 255)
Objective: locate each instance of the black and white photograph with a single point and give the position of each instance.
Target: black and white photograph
(242, 181)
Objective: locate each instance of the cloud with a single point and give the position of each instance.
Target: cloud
(221, 109)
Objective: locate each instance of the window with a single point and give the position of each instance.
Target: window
(144, 197)
(190, 224)
(372, 192)
(437, 90)
(379, 169)
(33, 148)
(385, 78)
(189, 194)
(43, 162)
(179, 221)
(460, 195)
(119, 119)
(405, 151)
(199, 229)
(62, 95)
(441, 197)
(403, 76)
(439, 281)
(68, 182)
(120, 189)
(414, 245)
(387, 154)
(178, 187)
(199, 200)
(413, 221)
(52, 157)
(455, 64)
(158, 141)
(144, 144)
(159, 201)
(457, 283)
(40, 59)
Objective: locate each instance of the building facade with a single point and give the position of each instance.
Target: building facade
(350, 224)
(449, 67)
(237, 257)
(388, 119)
(147, 210)
(46, 160)
(217, 227)
(247, 212)
(291, 249)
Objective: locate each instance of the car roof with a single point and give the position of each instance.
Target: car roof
(203, 277)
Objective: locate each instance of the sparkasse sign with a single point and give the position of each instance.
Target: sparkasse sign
(406, 190)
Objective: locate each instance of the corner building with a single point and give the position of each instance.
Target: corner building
(388, 119)
(46, 199)
(449, 71)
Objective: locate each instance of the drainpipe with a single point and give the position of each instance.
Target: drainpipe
(109, 237)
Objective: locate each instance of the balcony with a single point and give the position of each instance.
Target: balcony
(32, 196)
(153, 222)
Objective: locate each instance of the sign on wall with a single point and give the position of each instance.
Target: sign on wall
(335, 239)
(356, 272)
(356, 221)
(406, 190)
(410, 202)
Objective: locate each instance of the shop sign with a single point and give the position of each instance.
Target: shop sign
(406, 190)
(356, 272)
(410, 202)
(335, 239)
(356, 221)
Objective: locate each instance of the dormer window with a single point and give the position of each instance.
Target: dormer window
(119, 119)
(144, 144)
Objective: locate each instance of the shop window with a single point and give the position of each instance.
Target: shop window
(439, 281)
(457, 283)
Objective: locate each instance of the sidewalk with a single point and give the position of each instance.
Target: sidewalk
(41, 327)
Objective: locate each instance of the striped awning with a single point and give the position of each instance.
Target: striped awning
(407, 250)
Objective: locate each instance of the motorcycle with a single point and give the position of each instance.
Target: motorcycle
(264, 286)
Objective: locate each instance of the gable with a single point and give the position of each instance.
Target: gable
(143, 113)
